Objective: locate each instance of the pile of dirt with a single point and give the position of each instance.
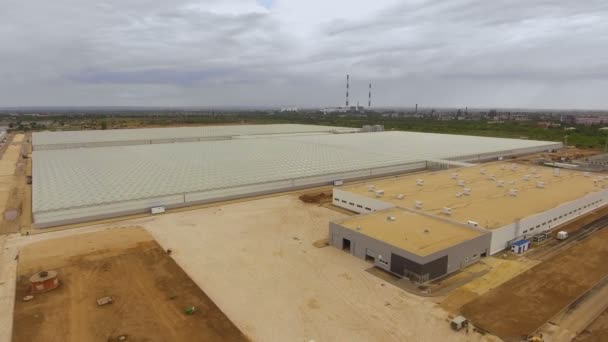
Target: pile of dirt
(321, 197)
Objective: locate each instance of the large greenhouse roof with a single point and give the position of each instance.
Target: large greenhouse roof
(80, 178)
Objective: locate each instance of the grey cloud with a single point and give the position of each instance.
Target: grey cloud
(513, 53)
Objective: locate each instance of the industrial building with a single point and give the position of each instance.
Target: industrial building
(75, 180)
(410, 244)
(511, 201)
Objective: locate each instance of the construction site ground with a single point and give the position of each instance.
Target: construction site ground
(150, 292)
(12, 183)
(597, 331)
(256, 260)
(523, 304)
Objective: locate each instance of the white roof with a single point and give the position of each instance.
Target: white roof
(117, 135)
(70, 178)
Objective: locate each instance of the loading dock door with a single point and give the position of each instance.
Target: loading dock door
(346, 245)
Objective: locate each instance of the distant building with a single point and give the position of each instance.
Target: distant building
(590, 120)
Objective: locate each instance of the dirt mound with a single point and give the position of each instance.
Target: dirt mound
(320, 197)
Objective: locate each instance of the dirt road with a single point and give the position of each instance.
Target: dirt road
(524, 303)
(150, 293)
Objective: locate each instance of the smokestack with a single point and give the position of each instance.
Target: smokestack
(416, 108)
(369, 101)
(347, 87)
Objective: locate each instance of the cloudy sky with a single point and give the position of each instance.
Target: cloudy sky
(499, 53)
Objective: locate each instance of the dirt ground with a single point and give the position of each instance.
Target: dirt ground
(12, 184)
(149, 289)
(257, 262)
(523, 304)
(597, 331)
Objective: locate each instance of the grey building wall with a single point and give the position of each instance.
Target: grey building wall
(458, 256)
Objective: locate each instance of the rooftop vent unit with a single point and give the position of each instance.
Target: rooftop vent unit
(391, 218)
(511, 182)
(371, 188)
(492, 177)
(586, 174)
(418, 204)
(447, 211)
(482, 171)
(460, 182)
(400, 196)
(540, 184)
(501, 184)
(556, 172)
(420, 182)
(513, 167)
(526, 177)
(467, 191)
(454, 176)
(459, 194)
(513, 192)
(502, 167)
(379, 193)
(472, 223)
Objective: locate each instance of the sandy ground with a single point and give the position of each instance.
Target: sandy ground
(256, 261)
(8, 179)
(574, 320)
(526, 302)
(499, 271)
(150, 293)
(597, 331)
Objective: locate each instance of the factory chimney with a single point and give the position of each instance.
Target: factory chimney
(369, 101)
(416, 108)
(347, 87)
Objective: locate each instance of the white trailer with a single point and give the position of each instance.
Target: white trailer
(157, 210)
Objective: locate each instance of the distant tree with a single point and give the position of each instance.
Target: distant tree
(104, 125)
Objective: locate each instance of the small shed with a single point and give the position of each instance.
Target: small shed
(520, 246)
(44, 281)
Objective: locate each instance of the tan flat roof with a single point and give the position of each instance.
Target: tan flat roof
(415, 233)
(489, 204)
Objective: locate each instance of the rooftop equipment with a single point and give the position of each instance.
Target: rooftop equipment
(513, 192)
(467, 191)
(420, 182)
(482, 171)
(556, 172)
(540, 184)
(526, 177)
(371, 188)
(492, 177)
(391, 218)
(562, 235)
(460, 182)
(459, 194)
(586, 174)
(447, 211)
(454, 176)
(400, 196)
(501, 184)
(472, 223)
(418, 204)
(379, 193)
